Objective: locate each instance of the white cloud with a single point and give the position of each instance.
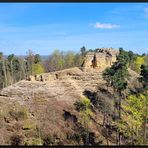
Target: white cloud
(146, 12)
(106, 26)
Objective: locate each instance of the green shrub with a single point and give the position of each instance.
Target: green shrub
(19, 113)
(34, 141)
(37, 141)
(29, 124)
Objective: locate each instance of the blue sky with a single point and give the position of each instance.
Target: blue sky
(44, 27)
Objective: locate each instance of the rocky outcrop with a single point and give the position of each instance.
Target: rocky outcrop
(41, 105)
(64, 84)
(100, 59)
(45, 108)
(56, 75)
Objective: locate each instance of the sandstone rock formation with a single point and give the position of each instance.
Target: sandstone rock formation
(31, 78)
(56, 75)
(94, 61)
(45, 108)
(100, 59)
(30, 104)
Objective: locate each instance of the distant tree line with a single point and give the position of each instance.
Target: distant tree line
(59, 60)
(14, 68)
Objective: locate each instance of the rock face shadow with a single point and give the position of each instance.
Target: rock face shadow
(90, 95)
(68, 116)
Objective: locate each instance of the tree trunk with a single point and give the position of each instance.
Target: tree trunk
(145, 124)
(107, 130)
(20, 76)
(107, 136)
(3, 85)
(11, 72)
(5, 74)
(87, 135)
(132, 136)
(137, 134)
(104, 119)
(115, 115)
(119, 107)
(116, 137)
(23, 70)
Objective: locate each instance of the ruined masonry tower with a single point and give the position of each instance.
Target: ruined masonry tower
(100, 59)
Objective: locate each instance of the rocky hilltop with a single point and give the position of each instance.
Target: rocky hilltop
(43, 108)
(29, 104)
(62, 85)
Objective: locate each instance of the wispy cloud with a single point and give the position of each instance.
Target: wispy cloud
(53, 29)
(61, 33)
(146, 12)
(106, 26)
